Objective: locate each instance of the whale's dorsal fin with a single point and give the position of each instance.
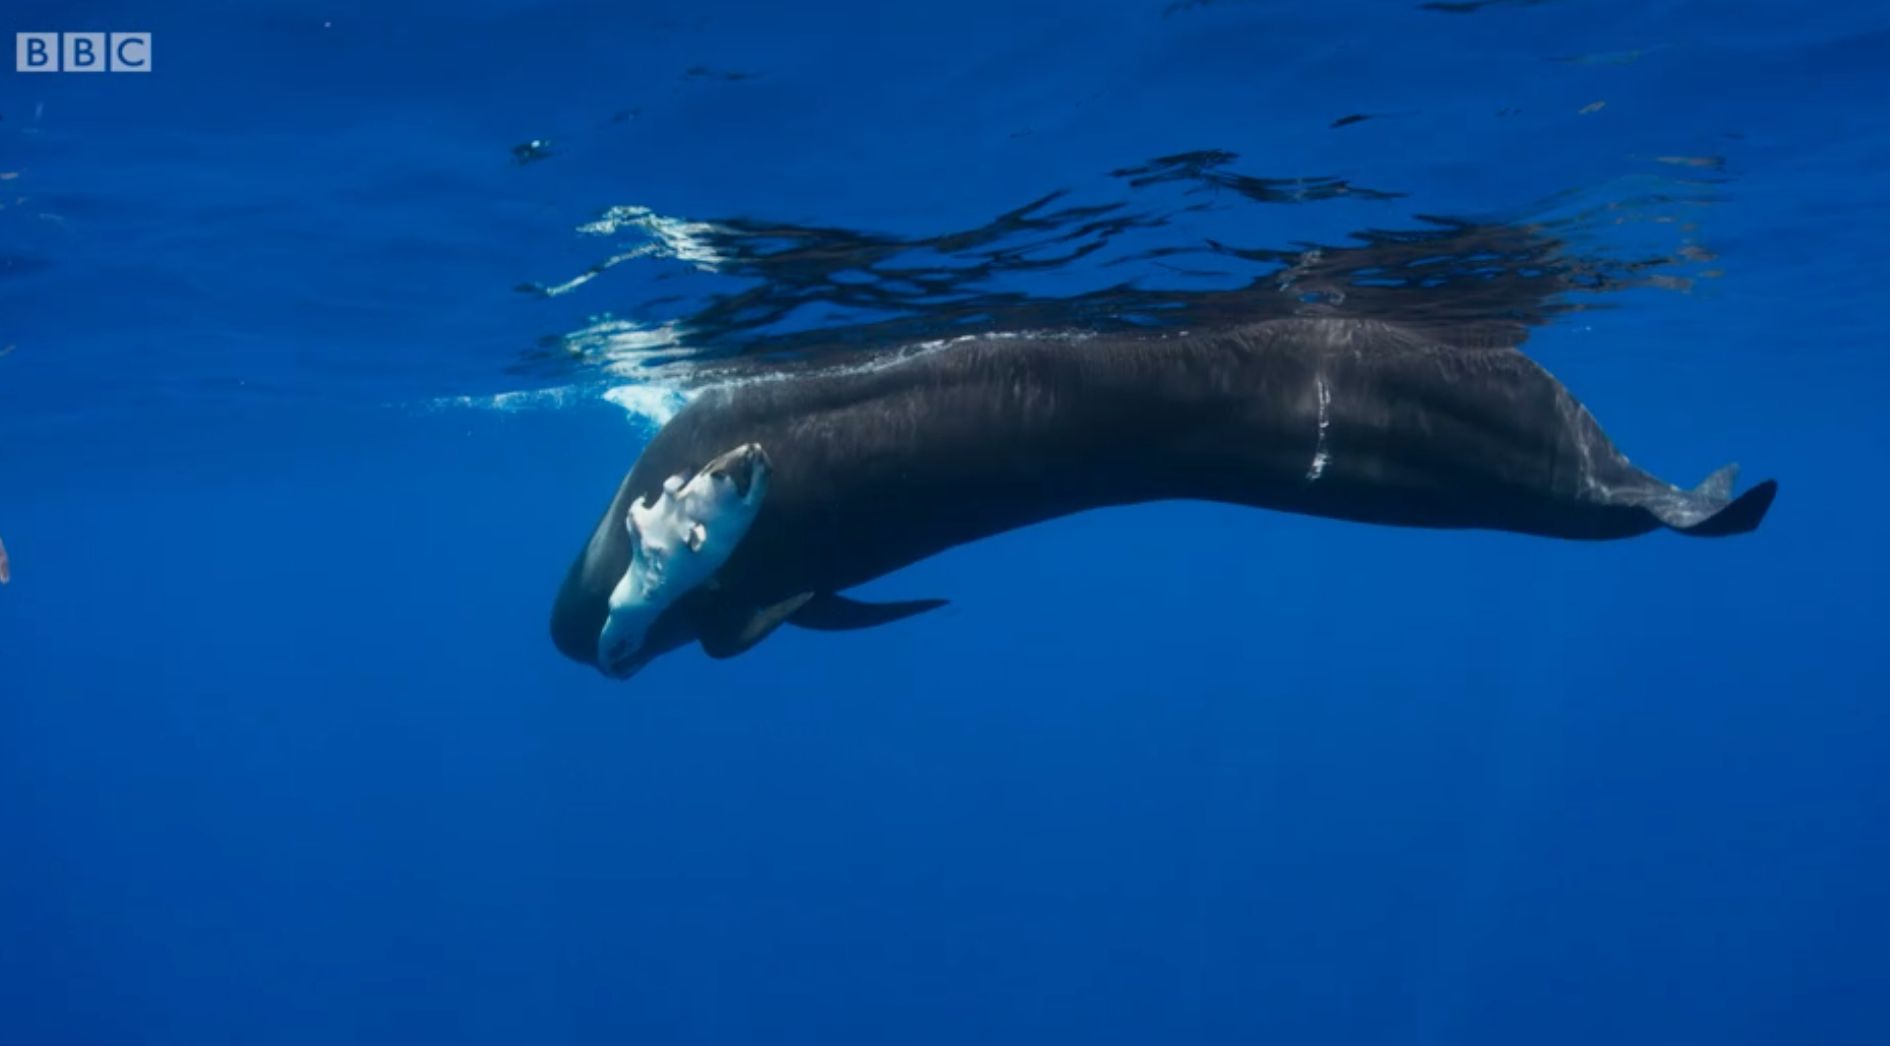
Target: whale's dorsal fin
(830, 612)
(725, 634)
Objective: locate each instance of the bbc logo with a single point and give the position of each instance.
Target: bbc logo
(82, 52)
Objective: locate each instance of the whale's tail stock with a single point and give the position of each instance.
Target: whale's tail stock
(1710, 510)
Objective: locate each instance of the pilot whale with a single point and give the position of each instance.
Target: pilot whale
(760, 503)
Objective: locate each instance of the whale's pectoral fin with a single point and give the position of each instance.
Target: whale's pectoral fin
(829, 612)
(1709, 510)
(727, 633)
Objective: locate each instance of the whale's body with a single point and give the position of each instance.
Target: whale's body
(882, 466)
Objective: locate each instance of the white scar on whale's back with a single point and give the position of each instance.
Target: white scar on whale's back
(1319, 457)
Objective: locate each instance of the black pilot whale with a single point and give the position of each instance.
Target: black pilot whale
(760, 503)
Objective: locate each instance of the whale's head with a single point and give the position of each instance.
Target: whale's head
(676, 541)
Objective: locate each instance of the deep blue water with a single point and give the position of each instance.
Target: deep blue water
(299, 428)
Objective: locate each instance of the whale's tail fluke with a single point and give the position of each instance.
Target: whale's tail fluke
(1709, 510)
(1740, 516)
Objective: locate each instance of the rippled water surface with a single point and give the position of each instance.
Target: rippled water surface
(322, 345)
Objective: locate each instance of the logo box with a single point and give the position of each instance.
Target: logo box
(82, 52)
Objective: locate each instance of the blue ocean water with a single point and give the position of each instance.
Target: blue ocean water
(316, 345)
